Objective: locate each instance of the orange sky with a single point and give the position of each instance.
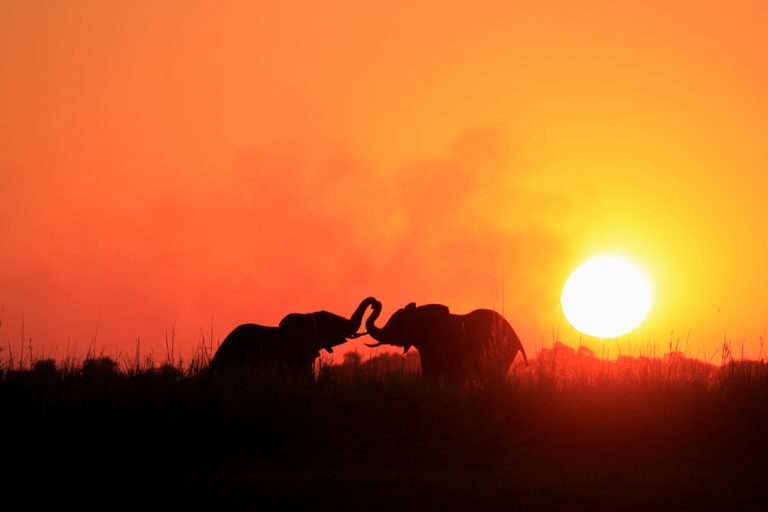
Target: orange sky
(197, 159)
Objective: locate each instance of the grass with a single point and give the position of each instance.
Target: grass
(571, 430)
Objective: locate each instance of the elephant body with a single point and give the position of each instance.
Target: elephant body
(293, 345)
(480, 344)
(252, 344)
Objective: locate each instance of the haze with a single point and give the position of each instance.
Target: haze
(189, 161)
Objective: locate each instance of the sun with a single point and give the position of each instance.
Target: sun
(606, 296)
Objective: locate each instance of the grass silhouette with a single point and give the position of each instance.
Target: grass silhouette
(570, 430)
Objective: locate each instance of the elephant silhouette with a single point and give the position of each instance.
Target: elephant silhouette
(293, 345)
(480, 344)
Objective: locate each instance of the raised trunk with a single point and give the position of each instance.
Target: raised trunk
(357, 317)
(373, 331)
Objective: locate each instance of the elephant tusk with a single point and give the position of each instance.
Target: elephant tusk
(373, 345)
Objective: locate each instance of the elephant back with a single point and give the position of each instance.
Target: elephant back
(496, 336)
(247, 345)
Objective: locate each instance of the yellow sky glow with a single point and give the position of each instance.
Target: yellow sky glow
(178, 162)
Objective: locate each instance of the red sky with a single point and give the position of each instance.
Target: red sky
(184, 161)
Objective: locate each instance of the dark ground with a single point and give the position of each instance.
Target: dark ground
(353, 439)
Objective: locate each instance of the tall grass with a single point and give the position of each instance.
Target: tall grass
(117, 425)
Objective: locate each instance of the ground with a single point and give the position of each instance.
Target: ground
(664, 436)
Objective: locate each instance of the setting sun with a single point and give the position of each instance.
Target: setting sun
(606, 297)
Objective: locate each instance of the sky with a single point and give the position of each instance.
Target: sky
(195, 165)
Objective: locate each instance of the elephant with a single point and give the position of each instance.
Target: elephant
(293, 345)
(478, 345)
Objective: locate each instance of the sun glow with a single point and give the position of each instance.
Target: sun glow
(606, 297)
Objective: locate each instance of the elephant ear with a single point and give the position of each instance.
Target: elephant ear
(409, 320)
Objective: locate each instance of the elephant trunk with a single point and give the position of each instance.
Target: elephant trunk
(375, 332)
(357, 317)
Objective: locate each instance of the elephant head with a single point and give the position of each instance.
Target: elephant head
(406, 326)
(322, 329)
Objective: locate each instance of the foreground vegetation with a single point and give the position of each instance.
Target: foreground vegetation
(569, 431)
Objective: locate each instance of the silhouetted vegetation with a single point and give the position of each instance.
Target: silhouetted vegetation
(570, 430)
